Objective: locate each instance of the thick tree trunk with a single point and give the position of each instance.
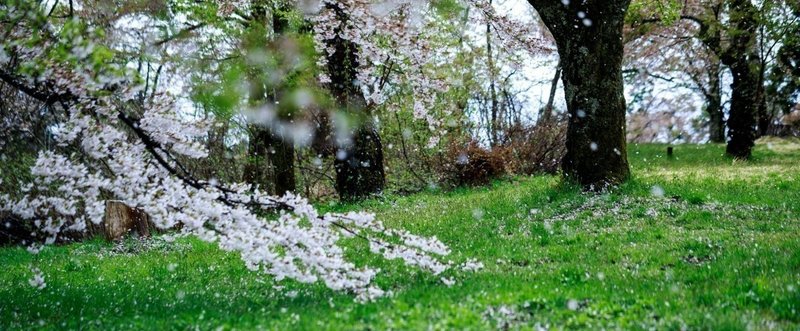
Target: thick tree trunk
(744, 108)
(359, 160)
(591, 60)
(281, 148)
(256, 170)
(596, 147)
(741, 58)
(270, 161)
(120, 219)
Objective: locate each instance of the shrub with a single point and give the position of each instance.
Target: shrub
(791, 123)
(536, 149)
(471, 165)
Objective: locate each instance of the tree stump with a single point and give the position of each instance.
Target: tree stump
(120, 219)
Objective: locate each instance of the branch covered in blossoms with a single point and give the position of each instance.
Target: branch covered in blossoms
(132, 152)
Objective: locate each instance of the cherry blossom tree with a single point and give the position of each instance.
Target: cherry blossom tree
(116, 148)
(589, 37)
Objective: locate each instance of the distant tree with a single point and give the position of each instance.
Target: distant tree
(359, 158)
(673, 55)
(783, 86)
(734, 43)
(270, 162)
(747, 38)
(370, 53)
(589, 39)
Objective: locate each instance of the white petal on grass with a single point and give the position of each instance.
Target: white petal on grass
(657, 191)
(572, 304)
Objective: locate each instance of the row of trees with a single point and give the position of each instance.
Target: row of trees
(143, 101)
(738, 35)
(368, 56)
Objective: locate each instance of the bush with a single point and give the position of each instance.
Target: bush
(790, 123)
(536, 149)
(471, 165)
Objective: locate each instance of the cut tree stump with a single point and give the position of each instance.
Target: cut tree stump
(120, 219)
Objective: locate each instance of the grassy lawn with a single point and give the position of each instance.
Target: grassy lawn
(696, 241)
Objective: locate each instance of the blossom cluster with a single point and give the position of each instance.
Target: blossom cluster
(391, 45)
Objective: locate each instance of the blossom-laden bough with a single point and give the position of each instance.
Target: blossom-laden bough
(115, 146)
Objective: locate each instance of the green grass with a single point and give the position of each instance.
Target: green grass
(719, 250)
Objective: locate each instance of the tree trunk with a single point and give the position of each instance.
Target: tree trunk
(270, 155)
(281, 147)
(716, 124)
(741, 58)
(359, 166)
(322, 144)
(359, 160)
(764, 117)
(216, 137)
(282, 155)
(270, 161)
(744, 107)
(256, 170)
(591, 60)
(119, 219)
(547, 112)
(493, 125)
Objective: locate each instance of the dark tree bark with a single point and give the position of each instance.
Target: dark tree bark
(282, 148)
(282, 155)
(359, 160)
(359, 174)
(740, 56)
(744, 106)
(323, 143)
(256, 169)
(270, 156)
(716, 122)
(742, 59)
(589, 39)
